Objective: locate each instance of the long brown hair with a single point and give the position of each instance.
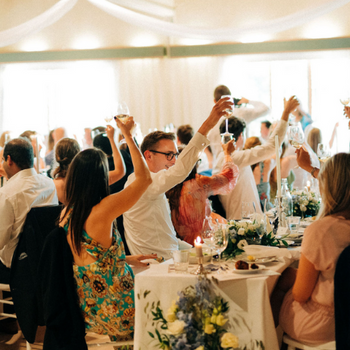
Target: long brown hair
(86, 186)
(334, 180)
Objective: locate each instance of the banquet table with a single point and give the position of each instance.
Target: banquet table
(248, 295)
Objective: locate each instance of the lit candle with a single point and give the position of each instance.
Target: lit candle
(198, 246)
(278, 166)
(308, 185)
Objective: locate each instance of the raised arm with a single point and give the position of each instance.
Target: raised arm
(119, 166)
(116, 204)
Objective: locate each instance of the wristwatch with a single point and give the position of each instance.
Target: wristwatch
(313, 172)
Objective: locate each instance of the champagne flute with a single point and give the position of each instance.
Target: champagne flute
(123, 112)
(227, 136)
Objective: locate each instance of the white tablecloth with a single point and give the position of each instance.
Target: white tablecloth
(250, 312)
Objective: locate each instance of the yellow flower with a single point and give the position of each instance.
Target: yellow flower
(209, 329)
(200, 348)
(207, 320)
(213, 319)
(170, 317)
(228, 340)
(220, 320)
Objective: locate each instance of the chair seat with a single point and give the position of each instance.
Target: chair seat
(293, 344)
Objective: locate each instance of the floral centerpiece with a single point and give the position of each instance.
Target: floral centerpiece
(195, 321)
(242, 233)
(305, 204)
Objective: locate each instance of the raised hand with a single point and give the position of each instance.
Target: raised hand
(229, 147)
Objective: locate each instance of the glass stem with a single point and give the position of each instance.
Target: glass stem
(226, 125)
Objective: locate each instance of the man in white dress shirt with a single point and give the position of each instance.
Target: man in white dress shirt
(148, 226)
(242, 111)
(24, 190)
(245, 190)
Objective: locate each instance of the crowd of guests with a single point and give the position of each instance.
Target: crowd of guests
(153, 199)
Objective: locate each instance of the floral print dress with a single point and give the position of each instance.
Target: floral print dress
(106, 289)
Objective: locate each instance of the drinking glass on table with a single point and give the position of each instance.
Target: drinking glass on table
(207, 233)
(122, 112)
(220, 241)
(247, 210)
(181, 260)
(293, 224)
(227, 136)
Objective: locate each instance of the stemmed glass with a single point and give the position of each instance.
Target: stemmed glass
(207, 233)
(345, 101)
(108, 119)
(247, 210)
(227, 136)
(323, 152)
(123, 112)
(296, 135)
(220, 241)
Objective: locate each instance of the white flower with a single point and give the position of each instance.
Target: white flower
(303, 207)
(228, 340)
(251, 227)
(176, 327)
(305, 202)
(241, 244)
(241, 231)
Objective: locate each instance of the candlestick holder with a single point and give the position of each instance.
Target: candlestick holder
(200, 269)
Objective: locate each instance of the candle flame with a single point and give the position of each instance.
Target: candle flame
(198, 240)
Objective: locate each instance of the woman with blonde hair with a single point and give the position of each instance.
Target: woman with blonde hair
(307, 312)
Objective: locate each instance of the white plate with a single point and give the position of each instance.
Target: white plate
(250, 271)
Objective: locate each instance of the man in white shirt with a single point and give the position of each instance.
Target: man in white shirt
(148, 226)
(24, 190)
(241, 110)
(245, 190)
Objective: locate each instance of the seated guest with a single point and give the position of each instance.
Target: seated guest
(184, 134)
(24, 190)
(245, 190)
(104, 279)
(307, 312)
(148, 226)
(189, 202)
(261, 172)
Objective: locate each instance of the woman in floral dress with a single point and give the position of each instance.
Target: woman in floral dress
(102, 273)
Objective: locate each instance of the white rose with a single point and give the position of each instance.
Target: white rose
(241, 231)
(303, 208)
(305, 202)
(228, 340)
(232, 231)
(241, 244)
(176, 327)
(251, 227)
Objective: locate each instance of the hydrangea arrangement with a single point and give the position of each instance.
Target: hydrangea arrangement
(305, 204)
(242, 233)
(195, 321)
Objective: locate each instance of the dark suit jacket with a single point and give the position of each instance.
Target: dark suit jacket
(65, 328)
(24, 278)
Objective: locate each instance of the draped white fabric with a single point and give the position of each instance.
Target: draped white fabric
(224, 34)
(52, 15)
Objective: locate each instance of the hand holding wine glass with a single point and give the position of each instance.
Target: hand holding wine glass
(126, 127)
(227, 136)
(122, 112)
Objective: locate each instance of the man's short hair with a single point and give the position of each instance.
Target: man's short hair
(21, 152)
(235, 126)
(220, 91)
(267, 123)
(151, 140)
(185, 133)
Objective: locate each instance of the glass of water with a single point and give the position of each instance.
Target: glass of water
(181, 260)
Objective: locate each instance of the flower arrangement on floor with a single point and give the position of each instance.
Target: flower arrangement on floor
(195, 321)
(305, 204)
(242, 233)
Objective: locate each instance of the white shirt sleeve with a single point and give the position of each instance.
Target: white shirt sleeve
(7, 220)
(250, 114)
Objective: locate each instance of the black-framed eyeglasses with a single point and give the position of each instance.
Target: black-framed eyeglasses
(169, 155)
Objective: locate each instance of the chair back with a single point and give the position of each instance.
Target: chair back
(342, 300)
(39, 223)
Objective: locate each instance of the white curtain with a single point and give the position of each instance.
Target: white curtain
(222, 34)
(52, 15)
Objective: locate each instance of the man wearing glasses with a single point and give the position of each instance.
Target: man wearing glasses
(148, 226)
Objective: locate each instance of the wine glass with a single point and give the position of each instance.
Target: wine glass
(220, 241)
(108, 119)
(247, 210)
(207, 233)
(123, 112)
(345, 101)
(296, 135)
(227, 136)
(323, 152)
